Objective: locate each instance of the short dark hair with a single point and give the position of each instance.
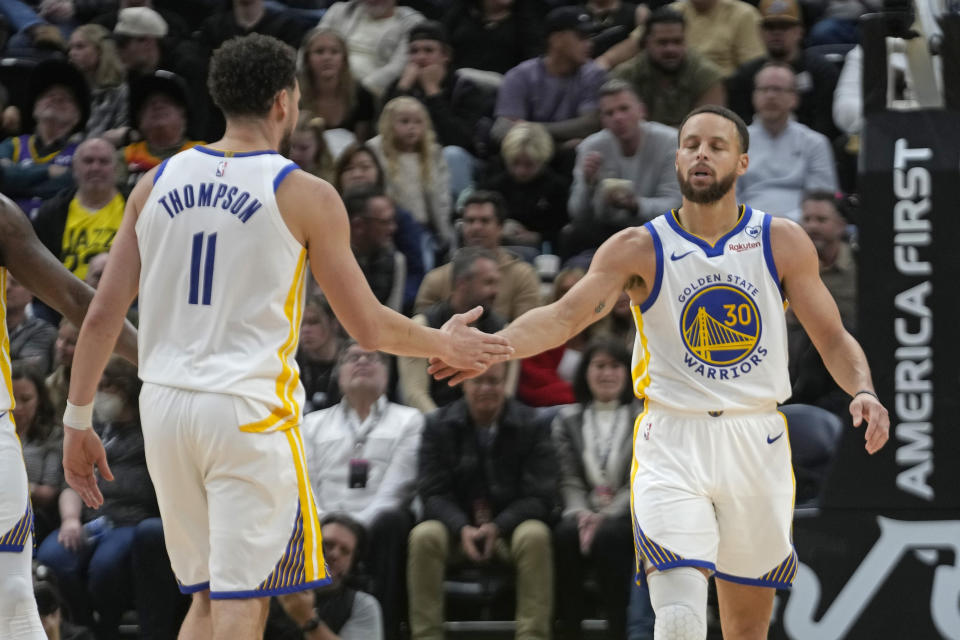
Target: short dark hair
(354, 527)
(665, 15)
(464, 258)
(615, 86)
(613, 348)
(355, 200)
(485, 196)
(723, 112)
(429, 30)
(347, 155)
(246, 74)
(777, 64)
(822, 195)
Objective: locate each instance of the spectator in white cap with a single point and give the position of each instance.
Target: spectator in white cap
(177, 27)
(146, 45)
(138, 34)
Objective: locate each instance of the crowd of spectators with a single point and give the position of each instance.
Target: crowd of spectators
(484, 149)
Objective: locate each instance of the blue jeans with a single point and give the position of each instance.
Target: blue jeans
(20, 15)
(834, 31)
(96, 576)
(640, 616)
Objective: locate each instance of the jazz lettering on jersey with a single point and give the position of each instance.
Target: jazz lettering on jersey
(721, 326)
(210, 194)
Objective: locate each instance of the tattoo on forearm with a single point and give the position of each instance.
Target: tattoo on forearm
(600, 307)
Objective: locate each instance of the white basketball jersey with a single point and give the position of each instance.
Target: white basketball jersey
(222, 283)
(711, 336)
(6, 388)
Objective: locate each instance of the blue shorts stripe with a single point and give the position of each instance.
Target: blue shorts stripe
(780, 577)
(289, 574)
(14, 539)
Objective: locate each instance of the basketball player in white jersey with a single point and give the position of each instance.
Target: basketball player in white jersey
(22, 255)
(712, 485)
(216, 240)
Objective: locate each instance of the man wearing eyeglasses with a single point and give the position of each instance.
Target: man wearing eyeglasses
(362, 460)
(787, 159)
(782, 33)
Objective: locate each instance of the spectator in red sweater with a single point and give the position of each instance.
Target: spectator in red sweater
(546, 379)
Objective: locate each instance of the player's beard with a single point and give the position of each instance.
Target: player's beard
(707, 195)
(287, 134)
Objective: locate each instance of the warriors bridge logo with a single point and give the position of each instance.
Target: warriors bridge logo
(721, 327)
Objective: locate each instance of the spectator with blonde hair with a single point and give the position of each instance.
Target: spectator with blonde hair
(94, 53)
(328, 87)
(308, 147)
(416, 173)
(534, 193)
(376, 33)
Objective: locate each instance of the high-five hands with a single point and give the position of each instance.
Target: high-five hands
(469, 351)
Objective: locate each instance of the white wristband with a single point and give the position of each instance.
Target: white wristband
(78, 416)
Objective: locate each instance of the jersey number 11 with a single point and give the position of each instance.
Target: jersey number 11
(196, 258)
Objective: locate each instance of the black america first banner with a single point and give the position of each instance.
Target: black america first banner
(881, 557)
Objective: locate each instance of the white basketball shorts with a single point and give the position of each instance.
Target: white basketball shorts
(16, 516)
(238, 512)
(715, 492)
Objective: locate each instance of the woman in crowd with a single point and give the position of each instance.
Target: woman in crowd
(308, 147)
(328, 89)
(535, 194)
(93, 52)
(416, 173)
(40, 436)
(593, 439)
(358, 166)
(91, 552)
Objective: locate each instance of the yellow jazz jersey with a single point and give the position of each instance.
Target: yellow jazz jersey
(222, 283)
(712, 336)
(88, 233)
(6, 385)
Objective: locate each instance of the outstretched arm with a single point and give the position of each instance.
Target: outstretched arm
(615, 267)
(625, 261)
(796, 260)
(320, 221)
(82, 449)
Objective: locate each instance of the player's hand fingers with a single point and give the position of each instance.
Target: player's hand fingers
(878, 427)
(856, 411)
(86, 488)
(464, 375)
(441, 371)
(469, 316)
(103, 467)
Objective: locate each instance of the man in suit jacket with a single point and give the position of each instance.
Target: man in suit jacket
(487, 477)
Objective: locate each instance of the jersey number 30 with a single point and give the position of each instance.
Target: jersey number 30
(196, 258)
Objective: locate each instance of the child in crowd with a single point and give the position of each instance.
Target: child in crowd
(535, 195)
(416, 173)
